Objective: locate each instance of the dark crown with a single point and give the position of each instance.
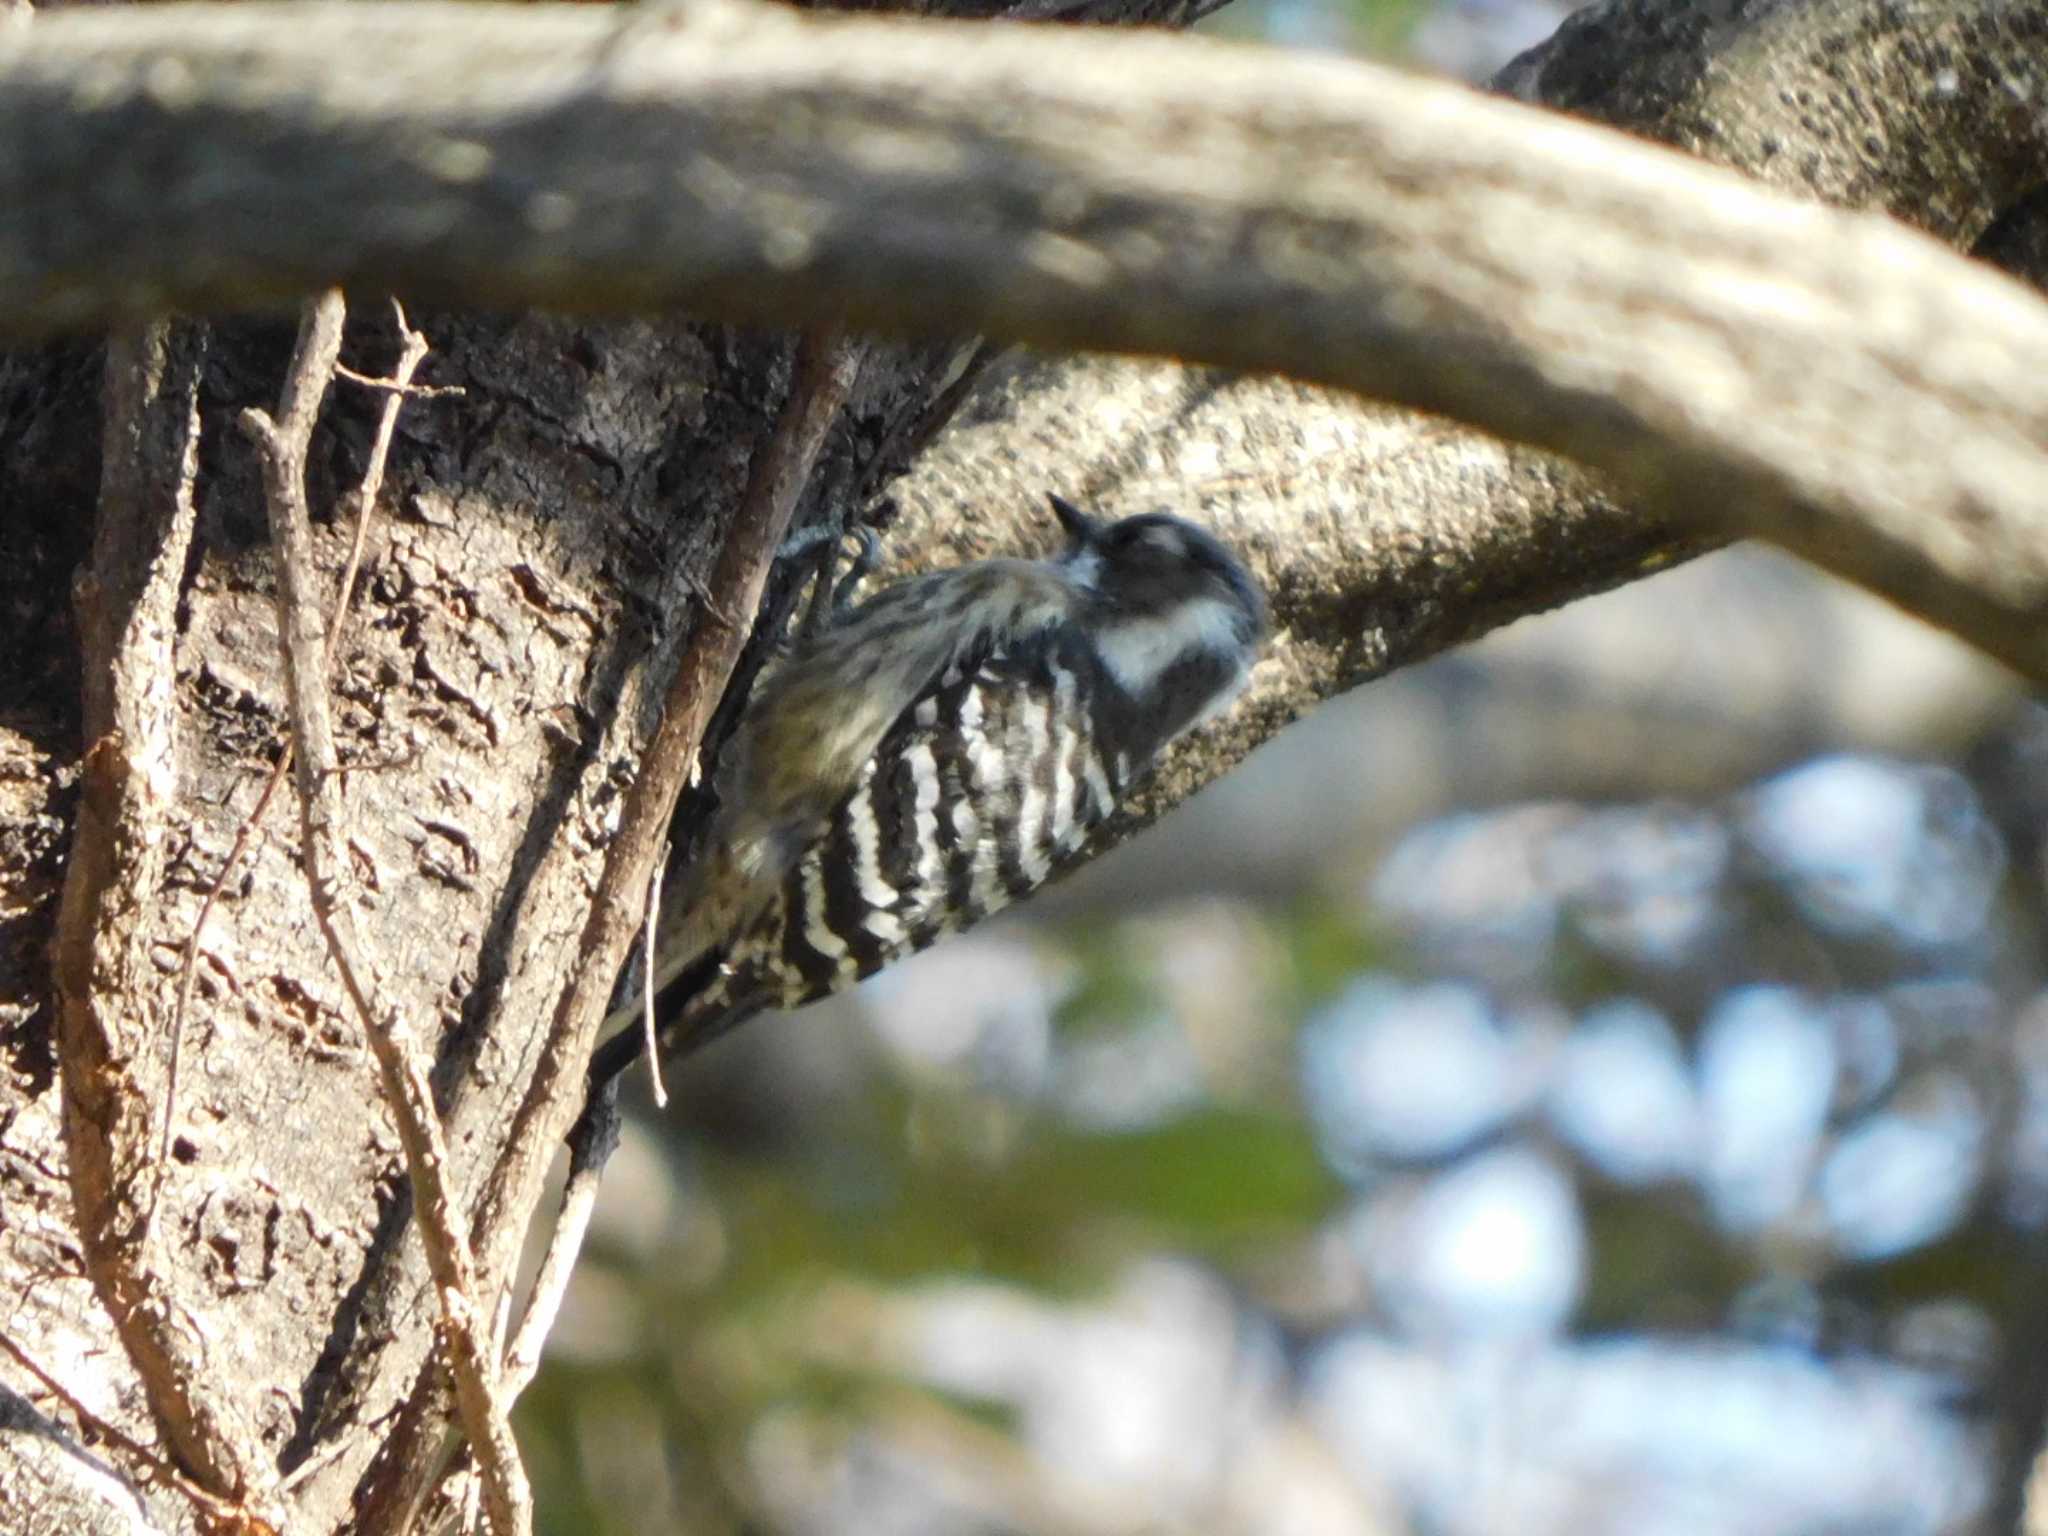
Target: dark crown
(1155, 562)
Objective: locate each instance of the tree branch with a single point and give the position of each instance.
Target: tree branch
(825, 370)
(1386, 538)
(1834, 383)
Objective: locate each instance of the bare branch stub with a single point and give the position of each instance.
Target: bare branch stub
(281, 442)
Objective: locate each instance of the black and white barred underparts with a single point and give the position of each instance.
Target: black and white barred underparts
(938, 753)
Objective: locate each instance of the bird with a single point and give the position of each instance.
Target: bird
(939, 751)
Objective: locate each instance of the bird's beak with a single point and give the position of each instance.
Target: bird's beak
(1080, 527)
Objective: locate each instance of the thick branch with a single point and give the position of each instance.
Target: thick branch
(1835, 383)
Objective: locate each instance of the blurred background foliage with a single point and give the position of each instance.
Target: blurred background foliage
(1595, 1082)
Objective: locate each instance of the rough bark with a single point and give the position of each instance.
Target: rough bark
(524, 602)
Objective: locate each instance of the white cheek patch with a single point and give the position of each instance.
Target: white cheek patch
(1138, 652)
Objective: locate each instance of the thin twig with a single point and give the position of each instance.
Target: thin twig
(413, 349)
(908, 435)
(647, 986)
(412, 352)
(281, 442)
(416, 391)
(591, 1146)
(826, 366)
(314, 1462)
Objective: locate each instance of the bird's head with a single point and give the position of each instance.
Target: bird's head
(1164, 598)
